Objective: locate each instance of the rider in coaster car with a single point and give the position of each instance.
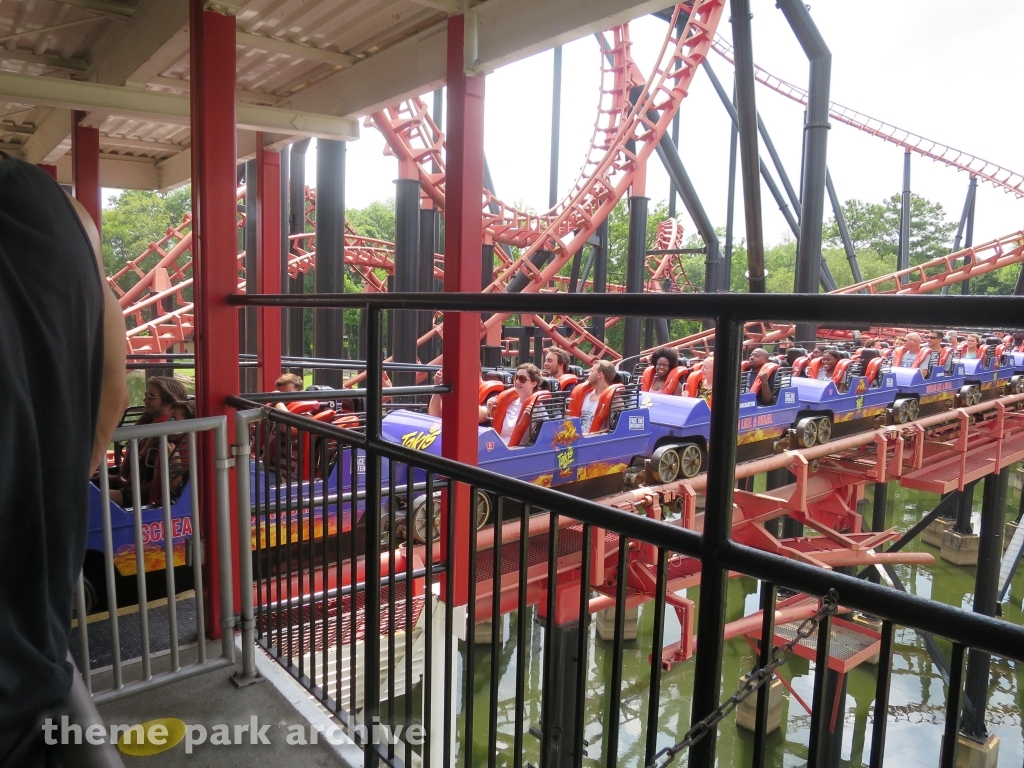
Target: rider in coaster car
(505, 409)
(602, 375)
(910, 354)
(162, 392)
(935, 340)
(763, 381)
(664, 372)
(556, 366)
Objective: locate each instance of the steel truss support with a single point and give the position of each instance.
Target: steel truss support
(430, 225)
(268, 272)
(965, 505)
(965, 285)
(463, 243)
(328, 324)
(968, 213)
(600, 284)
(986, 587)
(844, 232)
(295, 317)
(215, 271)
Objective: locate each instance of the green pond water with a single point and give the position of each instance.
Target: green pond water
(917, 698)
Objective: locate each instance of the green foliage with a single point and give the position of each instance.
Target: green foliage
(377, 220)
(137, 218)
(876, 227)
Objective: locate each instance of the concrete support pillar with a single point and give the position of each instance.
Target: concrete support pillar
(560, 697)
(407, 245)
(85, 168)
(986, 586)
(605, 623)
(959, 544)
(268, 268)
(463, 241)
(295, 318)
(214, 247)
(328, 324)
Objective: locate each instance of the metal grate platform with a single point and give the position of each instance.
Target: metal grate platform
(851, 644)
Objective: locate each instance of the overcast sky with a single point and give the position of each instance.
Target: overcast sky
(949, 71)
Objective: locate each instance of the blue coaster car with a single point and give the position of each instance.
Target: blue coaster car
(554, 453)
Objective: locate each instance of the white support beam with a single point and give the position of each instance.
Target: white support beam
(154, 23)
(72, 65)
(250, 97)
(446, 6)
(295, 50)
(119, 173)
(177, 170)
(507, 32)
(49, 134)
(113, 10)
(166, 108)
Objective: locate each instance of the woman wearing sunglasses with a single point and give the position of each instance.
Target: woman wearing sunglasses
(504, 411)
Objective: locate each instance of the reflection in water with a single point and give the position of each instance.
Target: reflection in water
(917, 697)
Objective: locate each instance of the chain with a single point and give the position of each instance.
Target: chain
(829, 606)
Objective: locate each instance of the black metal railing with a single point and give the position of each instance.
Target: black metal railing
(624, 537)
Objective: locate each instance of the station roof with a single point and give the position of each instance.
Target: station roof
(318, 64)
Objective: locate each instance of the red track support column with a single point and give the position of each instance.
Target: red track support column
(85, 167)
(463, 241)
(50, 169)
(215, 247)
(268, 278)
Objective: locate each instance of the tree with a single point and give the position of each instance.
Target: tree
(876, 227)
(136, 218)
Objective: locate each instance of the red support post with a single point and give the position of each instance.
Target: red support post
(268, 278)
(215, 249)
(85, 167)
(50, 169)
(463, 241)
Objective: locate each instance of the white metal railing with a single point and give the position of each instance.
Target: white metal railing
(169, 520)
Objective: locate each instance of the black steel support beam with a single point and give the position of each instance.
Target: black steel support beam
(812, 183)
(718, 514)
(965, 505)
(403, 323)
(972, 186)
(747, 119)
(249, 375)
(328, 337)
(714, 273)
(295, 317)
(730, 210)
(600, 259)
(635, 263)
(429, 222)
(986, 587)
(285, 213)
(556, 120)
(903, 257)
(965, 285)
(844, 232)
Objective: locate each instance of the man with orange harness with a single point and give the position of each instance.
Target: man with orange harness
(761, 370)
(602, 376)
(910, 355)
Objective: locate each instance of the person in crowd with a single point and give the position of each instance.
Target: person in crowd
(178, 453)
(870, 343)
(817, 352)
(762, 372)
(973, 342)
(62, 344)
(663, 359)
(707, 374)
(601, 376)
(288, 382)
(829, 360)
(526, 381)
(162, 392)
(912, 356)
(556, 362)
